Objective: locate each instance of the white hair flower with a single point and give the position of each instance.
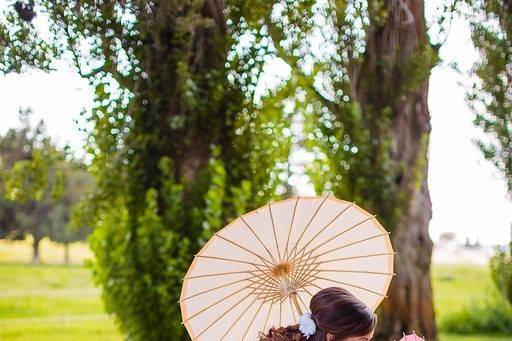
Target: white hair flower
(307, 325)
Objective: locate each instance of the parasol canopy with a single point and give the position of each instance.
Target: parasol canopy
(262, 269)
(412, 337)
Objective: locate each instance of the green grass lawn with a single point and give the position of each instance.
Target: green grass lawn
(58, 302)
(454, 285)
(51, 303)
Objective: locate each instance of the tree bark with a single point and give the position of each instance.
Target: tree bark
(378, 86)
(35, 250)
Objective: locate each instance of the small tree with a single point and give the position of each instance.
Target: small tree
(39, 186)
(491, 100)
(501, 270)
(58, 224)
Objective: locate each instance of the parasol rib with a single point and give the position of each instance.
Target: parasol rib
(238, 319)
(274, 228)
(351, 285)
(304, 304)
(357, 257)
(212, 289)
(357, 271)
(347, 230)
(291, 307)
(271, 286)
(353, 243)
(307, 225)
(266, 261)
(219, 274)
(295, 268)
(290, 228)
(229, 260)
(216, 302)
(268, 315)
(329, 224)
(308, 270)
(222, 315)
(304, 269)
(261, 242)
(281, 311)
(253, 318)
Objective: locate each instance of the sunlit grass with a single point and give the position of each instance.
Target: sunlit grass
(95, 330)
(455, 285)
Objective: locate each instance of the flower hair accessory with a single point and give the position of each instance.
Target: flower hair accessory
(307, 325)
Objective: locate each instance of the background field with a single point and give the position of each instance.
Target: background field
(59, 302)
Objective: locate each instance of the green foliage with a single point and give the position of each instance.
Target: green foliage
(20, 47)
(494, 315)
(30, 179)
(501, 271)
(491, 27)
(467, 302)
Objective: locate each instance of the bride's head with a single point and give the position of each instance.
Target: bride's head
(338, 316)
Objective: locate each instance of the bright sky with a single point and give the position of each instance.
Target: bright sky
(468, 195)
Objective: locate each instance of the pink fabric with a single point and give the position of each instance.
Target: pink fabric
(412, 337)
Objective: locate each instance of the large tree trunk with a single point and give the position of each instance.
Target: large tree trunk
(386, 81)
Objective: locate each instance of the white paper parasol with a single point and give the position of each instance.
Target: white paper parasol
(262, 269)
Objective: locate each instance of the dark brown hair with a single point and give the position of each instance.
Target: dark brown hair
(335, 311)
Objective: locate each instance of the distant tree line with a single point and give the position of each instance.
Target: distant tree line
(39, 186)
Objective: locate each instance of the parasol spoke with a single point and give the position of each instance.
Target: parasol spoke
(290, 228)
(259, 239)
(350, 244)
(253, 318)
(304, 269)
(266, 261)
(281, 311)
(268, 287)
(222, 315)
(351, 285)
(307, 225)
(291, 307)
(268, 315)
(358, 271)
(329, 224)
(314, 285)
(217, 302)
(307, 275)
(212, 289)
(304, 304)
(347, 230)
(228, 260)
(274, 228)
(357, 257)
(353, 243)
(219, 274)
(238, 319)
(296, 267)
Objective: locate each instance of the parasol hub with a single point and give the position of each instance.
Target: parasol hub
(282, 269)
(289, 289)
